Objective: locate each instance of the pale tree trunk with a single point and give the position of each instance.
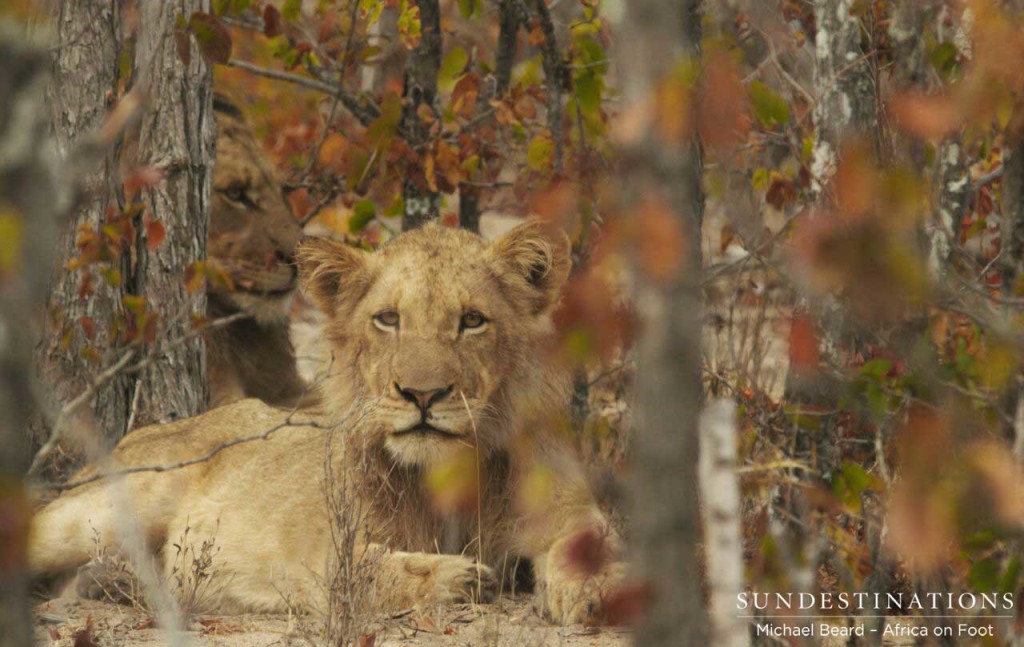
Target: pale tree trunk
(844, 82)
(723, 535)
(31, 204)
(656, 36)
(176, 136)
(421, 203)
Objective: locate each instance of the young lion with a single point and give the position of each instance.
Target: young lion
(441, 345)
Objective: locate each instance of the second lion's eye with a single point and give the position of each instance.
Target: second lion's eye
(471, 320)
(236, 191)
(387, 319)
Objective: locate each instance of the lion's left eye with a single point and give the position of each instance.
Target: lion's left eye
(386, 319)
(472, 320)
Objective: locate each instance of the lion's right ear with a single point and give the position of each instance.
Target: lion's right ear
(329, 269)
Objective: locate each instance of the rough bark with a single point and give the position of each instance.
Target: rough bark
(32, 198)
(178, 135)
(657, 35)
(85, 80)
(175, 135)
(508, 32)
(421, 204)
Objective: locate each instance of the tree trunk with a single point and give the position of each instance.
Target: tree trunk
(421, 203)
(31, 203)
(844, 82)
(84, 87)
(508, 31)
(658, 35)
(176, 136)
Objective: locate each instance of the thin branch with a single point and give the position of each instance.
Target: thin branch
(359, 107)
(117, 368)
(185, 463)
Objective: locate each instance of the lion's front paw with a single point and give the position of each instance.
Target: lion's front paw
(574, 598)
(450, 579)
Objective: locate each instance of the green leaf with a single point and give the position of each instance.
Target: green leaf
(451, 68)
(211, 36)
(590, 53)
(984, 575)
(363, 213)
(769, 107)
(10, 240)
(1008, 582)
(944, 58)
(539, 153)
(876, 368)
(291, 9)
(850, 483)
(470, 8)
(588, 92)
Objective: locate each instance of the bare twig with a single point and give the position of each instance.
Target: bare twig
(361, 108)
(59, 428)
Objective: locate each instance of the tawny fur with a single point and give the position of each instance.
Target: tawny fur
(506, 402)
(252, 236)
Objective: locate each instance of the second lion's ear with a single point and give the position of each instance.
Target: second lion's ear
(328, 270)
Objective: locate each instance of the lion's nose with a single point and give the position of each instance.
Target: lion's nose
(423, 399)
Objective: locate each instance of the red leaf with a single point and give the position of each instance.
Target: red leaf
(587, 552)
(83, 637)
(142, 177)
(182, 45)
(271, 21)
(155, 234)
(804, 354)
(628, 604)
(88, 326)
(211, 36)
(367, 640)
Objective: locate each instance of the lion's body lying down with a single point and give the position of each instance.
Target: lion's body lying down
(439, 347)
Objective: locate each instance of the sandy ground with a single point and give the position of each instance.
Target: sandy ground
(507, 622)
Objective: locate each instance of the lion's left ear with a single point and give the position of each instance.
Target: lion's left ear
(328, 270)
(537, 262)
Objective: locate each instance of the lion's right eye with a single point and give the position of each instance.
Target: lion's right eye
(387, 320)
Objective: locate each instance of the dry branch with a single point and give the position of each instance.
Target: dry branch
(360, 107)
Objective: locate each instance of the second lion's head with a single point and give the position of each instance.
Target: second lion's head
(440, 338)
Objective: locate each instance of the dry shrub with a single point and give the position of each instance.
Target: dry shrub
(192, 572)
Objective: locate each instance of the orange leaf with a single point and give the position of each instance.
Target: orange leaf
(155, 233)
(926, 117)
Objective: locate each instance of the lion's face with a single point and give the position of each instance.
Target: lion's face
(252, 232)
(434, 333)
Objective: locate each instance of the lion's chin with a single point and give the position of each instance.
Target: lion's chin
(422, 447)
